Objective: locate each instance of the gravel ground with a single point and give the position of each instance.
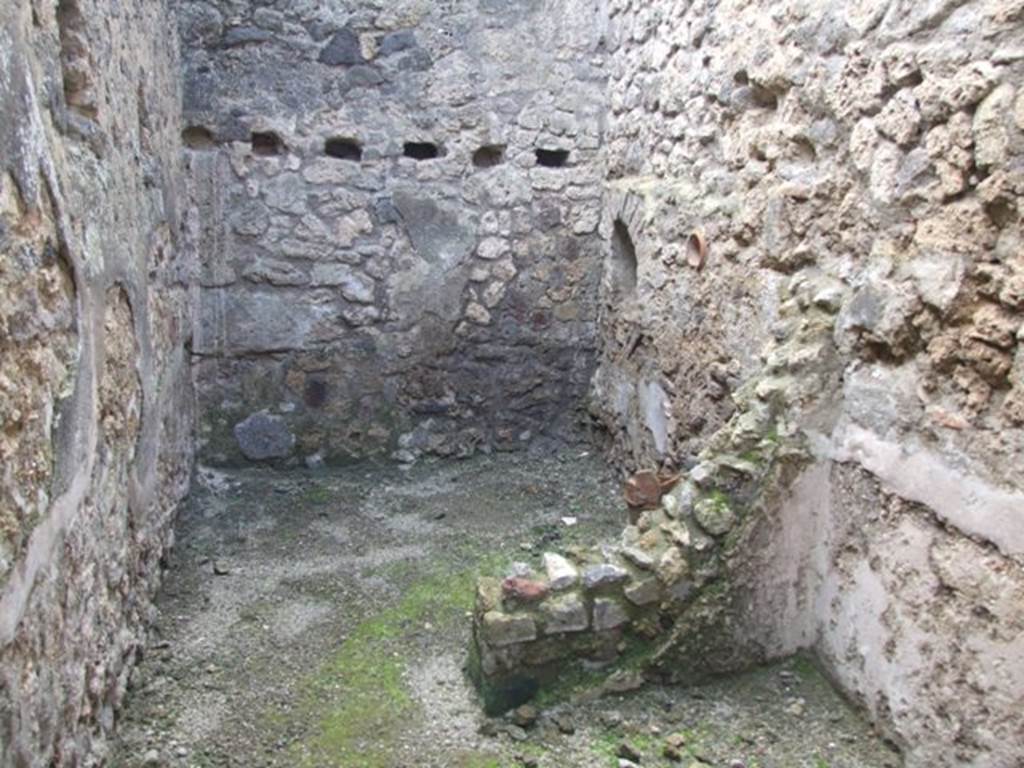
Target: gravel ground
(316, 619)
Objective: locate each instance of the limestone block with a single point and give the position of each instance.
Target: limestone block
(561, 573)
(567, 613)
(504, 629)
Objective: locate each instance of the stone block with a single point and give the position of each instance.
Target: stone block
(488, 594)
(567, 613)
(561, 573)
(503, 629)
(524, 590)
(604, 575)
(264, 436)
(715, 516)
(639, 558)
(643, 592)
(609, 614)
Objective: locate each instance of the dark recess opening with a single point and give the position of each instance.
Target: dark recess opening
(552, 158)
(623, 266)
(266, 143)
(198, 137)
(421, 150)
(489, 156)
(343, 149)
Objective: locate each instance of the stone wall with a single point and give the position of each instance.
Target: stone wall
(813, 211)
(95, 396)
(396, 206)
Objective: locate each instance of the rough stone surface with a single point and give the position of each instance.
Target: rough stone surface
(608, 614)
(502, 629)
(603, 575)
(264, 436)
(377, 298)
(811, 297)
(95, 392)
(565, 614)
(560, 572)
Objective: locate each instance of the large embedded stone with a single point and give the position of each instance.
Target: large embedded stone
(672, 567)
(502, 629)
(643, 592)
(264, 436)
(609, 614)
(561, 573)
(714, 515)
(603, 575)
(343, 49)
(639, 558)
(567, 613)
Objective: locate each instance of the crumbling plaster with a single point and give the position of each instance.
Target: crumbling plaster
(854, 171)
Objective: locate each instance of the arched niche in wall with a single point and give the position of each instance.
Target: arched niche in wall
(622, 266)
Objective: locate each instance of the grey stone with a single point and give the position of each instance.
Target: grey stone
(714, 515)
(567, 613)
(244, 36)
(395, 42)
(264, 436)
(639, 558)
(609, 614)
(643, 592)
(603, 575)
(560, 572)
(343, 49)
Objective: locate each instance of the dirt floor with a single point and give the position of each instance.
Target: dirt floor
(321, 618)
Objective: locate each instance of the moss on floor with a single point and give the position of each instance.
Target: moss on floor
(357, 703)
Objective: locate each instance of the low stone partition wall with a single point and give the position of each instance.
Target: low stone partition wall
(670, 600)
(599, 610)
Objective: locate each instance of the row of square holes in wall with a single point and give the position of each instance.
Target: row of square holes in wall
(267, 144)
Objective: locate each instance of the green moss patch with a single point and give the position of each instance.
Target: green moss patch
(358, 698)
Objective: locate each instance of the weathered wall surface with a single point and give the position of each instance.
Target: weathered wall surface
(814, 211)
(388, 264)
(95, 397)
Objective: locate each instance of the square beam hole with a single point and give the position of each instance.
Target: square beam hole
(266, 143)
(199, 138)
(552, 158)
(343, 149)
(489, 156)
(421, 150)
